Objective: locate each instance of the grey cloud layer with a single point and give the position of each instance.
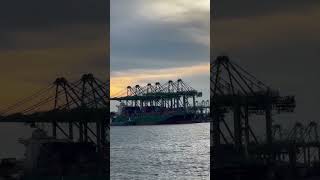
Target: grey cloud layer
(249, 8)
(141, 43)
(39, 13)
(23, 23)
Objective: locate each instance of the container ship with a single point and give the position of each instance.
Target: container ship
(153, 116)
(154, 104)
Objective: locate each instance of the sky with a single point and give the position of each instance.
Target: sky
(278, 42)
(160, 40)
(42, 40)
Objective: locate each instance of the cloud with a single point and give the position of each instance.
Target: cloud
(37, 14)
(280, 27)
(250, 8)
(176, 11)
(145, 36)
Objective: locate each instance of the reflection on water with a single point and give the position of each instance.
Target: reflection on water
(160, 152)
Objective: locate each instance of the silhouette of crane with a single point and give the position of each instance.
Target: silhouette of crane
(236, 92)
(69, 108)
(172, 95)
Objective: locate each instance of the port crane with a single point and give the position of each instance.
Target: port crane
(77, 111)
(237, 92)
(177, 95)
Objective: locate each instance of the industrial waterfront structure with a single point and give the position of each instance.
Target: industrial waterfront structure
(77, 114)
(169, 103)
(237, 100)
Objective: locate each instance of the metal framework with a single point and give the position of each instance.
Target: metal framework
(235, 91)
(80, 107)
(304, 138)
(175, 95)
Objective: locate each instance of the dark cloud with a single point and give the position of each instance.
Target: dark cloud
(53, 37)
(41, 14)
(41, 24)
(247, 8)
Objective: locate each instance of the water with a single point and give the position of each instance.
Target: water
(160, 152)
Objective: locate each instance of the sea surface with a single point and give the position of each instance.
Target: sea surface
(160, 152)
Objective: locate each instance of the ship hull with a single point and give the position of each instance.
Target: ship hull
(177, 118)
(65, 178)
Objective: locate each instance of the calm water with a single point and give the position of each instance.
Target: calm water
(160, 152)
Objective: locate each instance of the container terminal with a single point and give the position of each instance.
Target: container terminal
(71, 132)
(174, 102)
(238, 150)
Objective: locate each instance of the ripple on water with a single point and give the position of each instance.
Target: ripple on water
(160, 152)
